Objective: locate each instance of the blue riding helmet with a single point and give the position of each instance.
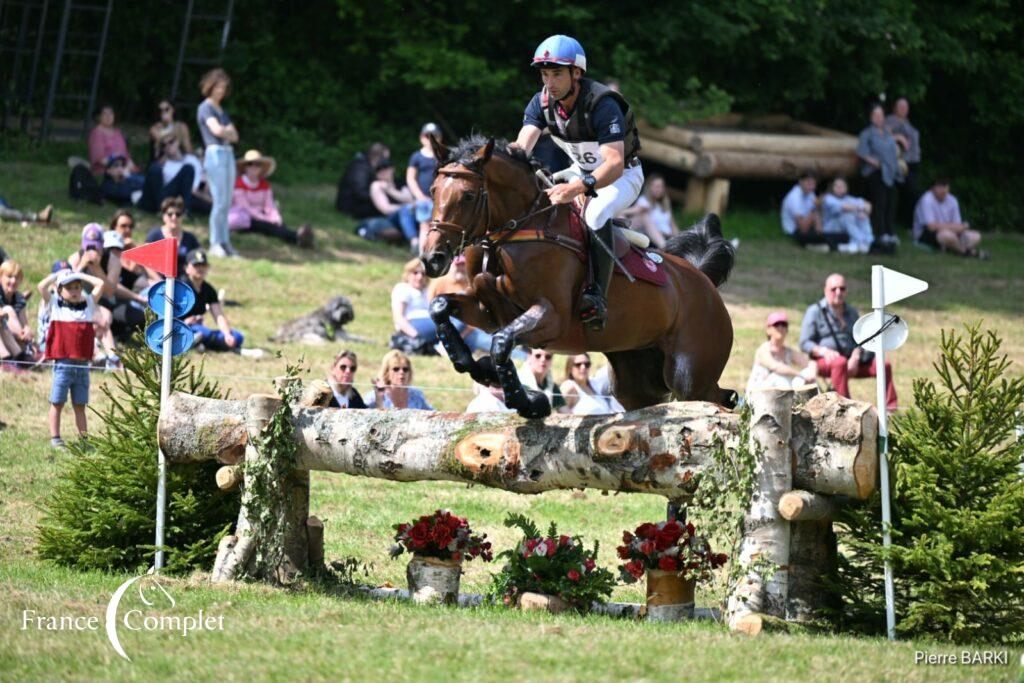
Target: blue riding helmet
(560, 50)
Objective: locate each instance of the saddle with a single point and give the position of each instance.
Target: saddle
(640, 262)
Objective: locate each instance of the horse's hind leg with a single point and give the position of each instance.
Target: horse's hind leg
(688, 381)
(637, 377)
(442, 309)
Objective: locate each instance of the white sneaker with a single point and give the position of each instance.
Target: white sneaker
(848, 248)
(252, 353)
(863, 248)
(217, 251)
(231, 251)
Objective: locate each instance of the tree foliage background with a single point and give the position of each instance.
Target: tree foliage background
(316, 81)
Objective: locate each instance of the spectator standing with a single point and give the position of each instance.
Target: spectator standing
(69, 344)
(253, 206)
(15, 334)
(843, 215)
(218, 134)
(107, 142)
(342, 381)
(419, 176)
(535, 373)
(353, 195)
(777, 366)
(879, 157)
(801, 218)
(580, 396)
(392, 388)
(224, 338)
(166, 126)
(171, 211)
(88, 259)
(409, 309)
(909, 139)
(826, 335)
(654, 210)
(938, 224)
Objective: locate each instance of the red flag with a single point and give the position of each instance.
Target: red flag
(161, 256)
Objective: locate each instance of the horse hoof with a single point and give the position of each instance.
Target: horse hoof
(537, 406)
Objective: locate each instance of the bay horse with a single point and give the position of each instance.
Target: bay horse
(525, 274)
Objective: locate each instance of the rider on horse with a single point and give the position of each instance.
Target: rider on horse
(595, 126)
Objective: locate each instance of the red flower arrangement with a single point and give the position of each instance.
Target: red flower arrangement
(441, 535)
(669, 546)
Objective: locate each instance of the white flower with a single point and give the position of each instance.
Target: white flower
(541, 549)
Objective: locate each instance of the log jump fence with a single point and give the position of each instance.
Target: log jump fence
(814, 454)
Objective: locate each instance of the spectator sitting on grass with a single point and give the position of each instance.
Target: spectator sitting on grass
(409, 311)
(88, 259)
(847, 216)
(395, 204)
(167, 126)
(801, 218)
(487, 400)
(120, 184)
(224, 338)
(826, 335)
(777, 366)
(342, 381)
(535, 373)
(353, 195)
(253, 206)
(580, 396)
(107, 142)
(15, 333)
(653, 212)
(12, 215)
(172, 210)
(391, 388)
(419, 176)
(172, 174)
(69, 344)
(938, 224)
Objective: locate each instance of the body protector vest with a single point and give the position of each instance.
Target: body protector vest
(577, 136)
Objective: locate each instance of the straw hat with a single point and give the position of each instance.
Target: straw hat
(253, 155)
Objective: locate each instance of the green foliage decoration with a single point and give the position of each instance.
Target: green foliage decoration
(102, 511)
(957, 506)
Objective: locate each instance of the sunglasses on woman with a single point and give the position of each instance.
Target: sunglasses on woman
(582, 364)
(543, 356)
(405, 369)
(172, 214)
(347, 368)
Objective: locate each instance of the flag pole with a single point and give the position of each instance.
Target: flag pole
(878, 295)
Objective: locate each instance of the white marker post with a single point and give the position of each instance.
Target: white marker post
(167, 362)
(887, 286)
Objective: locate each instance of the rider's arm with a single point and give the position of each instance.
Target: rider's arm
(527, 138)
(606, 174)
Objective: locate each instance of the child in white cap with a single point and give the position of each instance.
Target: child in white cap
(70, 340)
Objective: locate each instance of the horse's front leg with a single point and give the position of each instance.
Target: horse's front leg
(535, 322)
(442, 309)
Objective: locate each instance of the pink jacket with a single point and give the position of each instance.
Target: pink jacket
(250, 202)
(102, 143)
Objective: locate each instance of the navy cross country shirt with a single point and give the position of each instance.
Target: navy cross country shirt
(607, 119)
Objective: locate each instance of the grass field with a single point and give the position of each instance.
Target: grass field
(311, 632)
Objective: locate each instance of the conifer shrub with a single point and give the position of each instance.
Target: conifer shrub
(102, 511)
(957, 507)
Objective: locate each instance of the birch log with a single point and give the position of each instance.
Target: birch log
(812, 558)
(727, 164)
(767, 143)
(804, 506)
(836, 440)
(765, 532)
(670, 155)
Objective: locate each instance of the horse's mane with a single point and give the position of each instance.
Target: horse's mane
(464, 150)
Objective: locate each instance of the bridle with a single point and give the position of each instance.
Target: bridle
(481, 234)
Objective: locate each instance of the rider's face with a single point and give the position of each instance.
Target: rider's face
(558, 81)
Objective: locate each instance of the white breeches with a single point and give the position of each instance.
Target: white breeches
(615, 198)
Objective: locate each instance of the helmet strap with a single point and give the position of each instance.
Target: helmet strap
(575, 86)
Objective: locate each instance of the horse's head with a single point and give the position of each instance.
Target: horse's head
(463, 209)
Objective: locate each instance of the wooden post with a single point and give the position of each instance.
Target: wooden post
(696, 193)
(315, 538)
(812, 558)
(717, 199)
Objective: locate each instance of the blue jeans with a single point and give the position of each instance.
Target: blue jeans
(478, 340)
(425, 328)
(219, 164)
(70, 376)
(405, 220)
(213, 340)
(154, 191)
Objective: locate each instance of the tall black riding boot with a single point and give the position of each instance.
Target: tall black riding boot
(594, 301)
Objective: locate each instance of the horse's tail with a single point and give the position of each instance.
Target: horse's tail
(704, 246)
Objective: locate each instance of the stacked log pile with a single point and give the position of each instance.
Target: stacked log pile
(813, 455)
(715, 155)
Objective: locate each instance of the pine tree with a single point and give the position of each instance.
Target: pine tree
(957, 505)
(101, 514)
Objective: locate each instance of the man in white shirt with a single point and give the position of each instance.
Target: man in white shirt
(801, 218)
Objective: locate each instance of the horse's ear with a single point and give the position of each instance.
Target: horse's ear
(440, 151)
(485, 152)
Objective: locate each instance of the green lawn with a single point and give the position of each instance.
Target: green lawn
(312, 632)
